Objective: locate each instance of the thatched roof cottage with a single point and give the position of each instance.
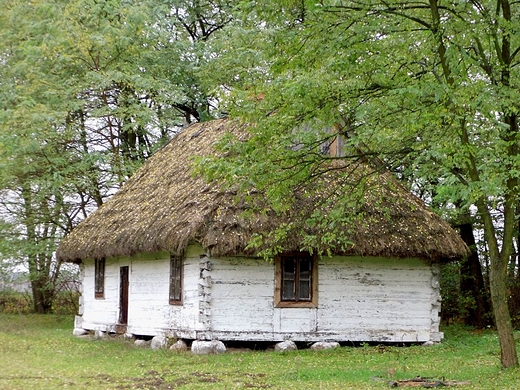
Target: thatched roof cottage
(166, 255)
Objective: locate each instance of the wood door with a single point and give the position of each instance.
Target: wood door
(123, 295)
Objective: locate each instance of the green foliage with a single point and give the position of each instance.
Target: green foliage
(12, 302)
(64, 302)
(88, 90)
(379, 74)
(29, 343)
(455, 305)
(430, 89)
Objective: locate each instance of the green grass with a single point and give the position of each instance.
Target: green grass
(39, 352)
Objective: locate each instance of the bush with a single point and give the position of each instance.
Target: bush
(14, 302)
(66, 302)
(453, 307)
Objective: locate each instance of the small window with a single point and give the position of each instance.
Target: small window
(175, 280)
(296, 281)
(99, 278)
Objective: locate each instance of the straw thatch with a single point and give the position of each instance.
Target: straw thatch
(165, 207)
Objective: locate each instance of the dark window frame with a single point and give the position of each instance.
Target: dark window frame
(99, 278)
(176, 279)
(297, 300)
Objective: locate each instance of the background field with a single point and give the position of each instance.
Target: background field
(39, 352)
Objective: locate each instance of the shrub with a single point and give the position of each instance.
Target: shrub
(66, 302)
(14, 302)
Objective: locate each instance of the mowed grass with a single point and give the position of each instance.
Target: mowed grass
(39, 352)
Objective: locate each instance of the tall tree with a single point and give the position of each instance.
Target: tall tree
(433, 83)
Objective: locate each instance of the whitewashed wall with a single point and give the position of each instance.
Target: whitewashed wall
(359, 299)
(149, 311)
(379, 299)
(98, 313)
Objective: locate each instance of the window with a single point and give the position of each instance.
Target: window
(99, 278)
(296, 281)
(175, 280)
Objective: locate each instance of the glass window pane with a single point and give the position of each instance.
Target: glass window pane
(178, 288)
(99, 277)
(305, 290)
(288, 269)
(305, 269)
(175, 278)
(288, 290)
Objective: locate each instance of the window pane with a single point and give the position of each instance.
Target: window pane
(288, 279)
(305, 269)
(177, 288)
(175, 278)
(305, 290)
(288, 290)
(288, 269)
(99, 278)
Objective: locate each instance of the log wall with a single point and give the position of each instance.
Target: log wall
(359, 299)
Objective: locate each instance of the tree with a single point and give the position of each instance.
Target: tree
(88, 90)
(430, 84)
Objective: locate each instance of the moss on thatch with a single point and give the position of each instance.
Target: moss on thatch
(164, 207)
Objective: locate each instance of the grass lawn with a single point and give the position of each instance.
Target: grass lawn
(39, 352)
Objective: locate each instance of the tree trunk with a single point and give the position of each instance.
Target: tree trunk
(42, 296)
(499, 261)
(38, 270)
(37, 297)
(41, 293)
(499, 297)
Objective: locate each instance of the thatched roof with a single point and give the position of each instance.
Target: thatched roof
(165, 207)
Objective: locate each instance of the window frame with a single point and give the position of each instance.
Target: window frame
(99, 278)
(278, 301)
(175, 285)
